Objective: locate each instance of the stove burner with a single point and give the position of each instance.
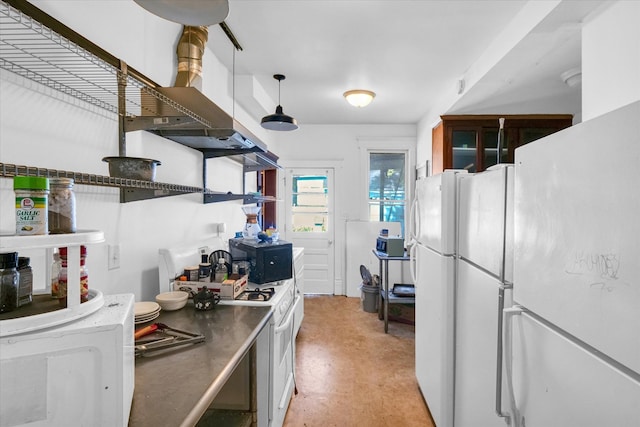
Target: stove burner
(264, 294)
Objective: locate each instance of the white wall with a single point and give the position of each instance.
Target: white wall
(611, 59)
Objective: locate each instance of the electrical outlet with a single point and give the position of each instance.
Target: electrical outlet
(114, 257)
(218, 227)
(203, 250)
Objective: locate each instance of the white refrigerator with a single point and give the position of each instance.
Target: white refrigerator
(484, 276)
(574, 329)
(433, 254)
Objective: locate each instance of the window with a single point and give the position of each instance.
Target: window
(387, 191)
(309, 204)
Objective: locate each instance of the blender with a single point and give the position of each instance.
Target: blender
(251, 228)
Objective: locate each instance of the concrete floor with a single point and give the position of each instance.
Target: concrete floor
(349, 373)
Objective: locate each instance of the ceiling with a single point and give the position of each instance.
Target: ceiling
(410, 53)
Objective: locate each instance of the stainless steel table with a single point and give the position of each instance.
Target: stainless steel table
(385, 297)
(176, 387)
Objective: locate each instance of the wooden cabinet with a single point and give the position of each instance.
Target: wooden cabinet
(470, 141)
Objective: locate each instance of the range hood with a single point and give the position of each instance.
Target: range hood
(215, 133)
(183, 114)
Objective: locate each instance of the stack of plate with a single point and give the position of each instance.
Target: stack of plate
(146, 311)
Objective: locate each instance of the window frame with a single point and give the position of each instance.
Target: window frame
(403, 145)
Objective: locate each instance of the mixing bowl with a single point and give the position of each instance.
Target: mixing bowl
(170, 301)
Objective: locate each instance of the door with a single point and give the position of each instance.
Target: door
(485, 230)
(436, 211)
(558, 382)
(309, 212)
(576, 227)
(476, 343)
(283, 357)
(434, 339)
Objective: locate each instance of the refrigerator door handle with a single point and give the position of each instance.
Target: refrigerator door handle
(413, 265)
(414, 220)
(505, 336)
(500, 352)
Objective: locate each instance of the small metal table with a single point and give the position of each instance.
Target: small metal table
(385, 297)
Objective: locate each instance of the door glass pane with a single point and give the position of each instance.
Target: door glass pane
(387, 193)
(309, 205)
(464, 145)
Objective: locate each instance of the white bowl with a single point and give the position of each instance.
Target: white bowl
(170, 301)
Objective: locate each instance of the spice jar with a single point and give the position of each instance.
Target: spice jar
(25, 282)
(62, 206)
(32, 194)
(9, 281)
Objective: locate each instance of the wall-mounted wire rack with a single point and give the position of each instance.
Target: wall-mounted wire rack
(40, 48)
(132, 189)
(149, 188)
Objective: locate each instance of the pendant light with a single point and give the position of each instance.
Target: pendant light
(279, 120)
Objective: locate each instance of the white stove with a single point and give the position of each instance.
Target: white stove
(284, 296)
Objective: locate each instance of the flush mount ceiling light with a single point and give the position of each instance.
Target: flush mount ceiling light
(279, 120)
(359, 97)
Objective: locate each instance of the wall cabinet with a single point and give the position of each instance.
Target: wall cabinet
(470, 141)
(40, 48)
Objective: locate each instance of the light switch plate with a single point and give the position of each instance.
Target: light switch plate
(114, 257)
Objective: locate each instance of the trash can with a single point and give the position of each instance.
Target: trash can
(370, 296)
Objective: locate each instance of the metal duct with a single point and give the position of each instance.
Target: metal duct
(190, 51)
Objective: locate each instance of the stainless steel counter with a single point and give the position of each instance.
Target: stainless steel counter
(176, 387)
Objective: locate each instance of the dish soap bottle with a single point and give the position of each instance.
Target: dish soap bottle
(221, 271)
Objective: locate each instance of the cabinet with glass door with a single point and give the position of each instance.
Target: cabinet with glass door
(471, 141)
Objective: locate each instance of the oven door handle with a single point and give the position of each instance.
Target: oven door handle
(287, 323)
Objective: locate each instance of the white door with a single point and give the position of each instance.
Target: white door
(476, 326)
(436, 211)
(576, 232)
(309, 213)
(557, 382)
(434, 332)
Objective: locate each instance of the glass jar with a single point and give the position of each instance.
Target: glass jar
(62, 206)
(25, 283)
(32, 194)
(9, 281)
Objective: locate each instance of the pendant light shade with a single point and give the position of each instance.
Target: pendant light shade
(279, 120)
